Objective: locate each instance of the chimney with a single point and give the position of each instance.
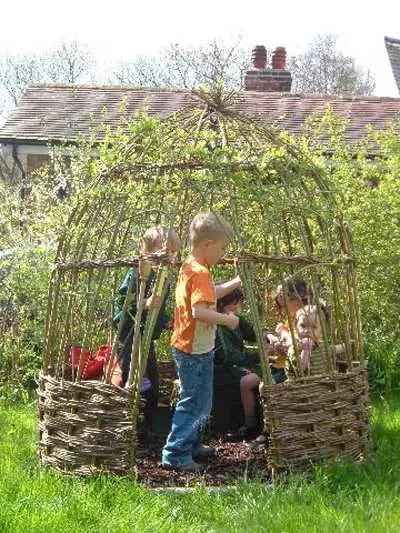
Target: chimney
(263, 79)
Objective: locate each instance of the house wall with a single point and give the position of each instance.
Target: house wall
(35, 161)
(23, 159)
(33, 157)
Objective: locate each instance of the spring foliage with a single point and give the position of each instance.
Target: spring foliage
(367, 188)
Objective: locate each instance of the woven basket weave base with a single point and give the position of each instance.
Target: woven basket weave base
(317, 417)
(318, 364)
(85, 427)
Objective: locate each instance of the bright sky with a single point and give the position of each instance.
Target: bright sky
(125, 28)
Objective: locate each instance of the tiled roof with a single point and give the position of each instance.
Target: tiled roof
(393, 50)
(59, 113)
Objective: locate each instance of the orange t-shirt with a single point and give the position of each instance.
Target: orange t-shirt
(194, 286)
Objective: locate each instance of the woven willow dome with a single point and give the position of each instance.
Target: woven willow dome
(287, 224)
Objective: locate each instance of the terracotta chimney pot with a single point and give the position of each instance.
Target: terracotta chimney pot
(259, 57)
(279, 58)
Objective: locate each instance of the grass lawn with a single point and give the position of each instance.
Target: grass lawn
(347, 497)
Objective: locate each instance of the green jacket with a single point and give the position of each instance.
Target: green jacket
(127, 328)
(229, 346)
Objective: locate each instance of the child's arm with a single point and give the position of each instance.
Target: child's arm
(247, 330)
(338, 349)
(153, 302)
(202, 312)
(116, 374)
(227, 287)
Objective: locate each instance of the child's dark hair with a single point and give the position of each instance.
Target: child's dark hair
(234, 297)
(297, 288)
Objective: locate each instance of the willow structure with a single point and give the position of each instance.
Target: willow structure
(287, 224)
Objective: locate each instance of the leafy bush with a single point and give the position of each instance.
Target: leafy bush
(27, 242)
(24, 299)
(367, 177)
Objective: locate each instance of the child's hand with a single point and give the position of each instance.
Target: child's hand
(169, 325)
(232, 321)
(272, 342)
(153, 302)
(116, 379)
(338, 349)
(271, 339)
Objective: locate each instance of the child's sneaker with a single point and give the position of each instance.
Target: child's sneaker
(188, 466)
(243, 433)
(203, 452)
(261, 440)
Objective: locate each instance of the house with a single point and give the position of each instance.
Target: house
(50, 114)
(393, 50)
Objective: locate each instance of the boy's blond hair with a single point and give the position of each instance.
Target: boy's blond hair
(158, 237)
(209, 226)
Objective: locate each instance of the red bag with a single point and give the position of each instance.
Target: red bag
(92, 365)
(103, 353)
(114, 373)
(76, 354)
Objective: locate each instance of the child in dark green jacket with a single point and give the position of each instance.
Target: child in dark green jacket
(232, 361)
(154, 239)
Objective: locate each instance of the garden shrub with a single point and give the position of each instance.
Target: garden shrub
(367, 176)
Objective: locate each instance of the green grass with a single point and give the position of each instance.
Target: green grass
(347, 497)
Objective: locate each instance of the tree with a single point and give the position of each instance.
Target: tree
(68, 64)
(323, 69)
(16, 72)
(177, 66)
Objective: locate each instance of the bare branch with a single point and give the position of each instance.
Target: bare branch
(70, 63)
(176, 66)
(323, 69)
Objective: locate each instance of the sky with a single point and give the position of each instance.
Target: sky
(122, 29)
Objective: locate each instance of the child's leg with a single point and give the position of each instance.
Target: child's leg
(193, 408)
(248, 385)
(206, 378)
(124, 349)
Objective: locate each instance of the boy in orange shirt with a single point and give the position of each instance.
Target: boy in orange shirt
(193, 340)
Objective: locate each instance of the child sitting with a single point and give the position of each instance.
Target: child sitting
(231, 360)
(237, 369)
(306, 323)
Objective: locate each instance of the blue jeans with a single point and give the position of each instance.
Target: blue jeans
(193, 408)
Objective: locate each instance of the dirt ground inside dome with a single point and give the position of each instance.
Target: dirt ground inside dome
(233, 461)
